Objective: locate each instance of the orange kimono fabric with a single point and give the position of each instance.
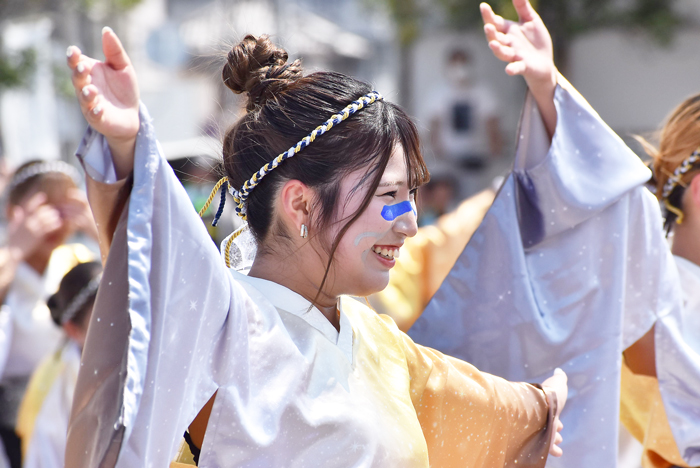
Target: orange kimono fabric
(642, 413)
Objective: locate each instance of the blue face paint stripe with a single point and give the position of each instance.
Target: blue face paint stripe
(391, 212)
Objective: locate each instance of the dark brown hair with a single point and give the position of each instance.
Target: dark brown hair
(71, 285)
(283, 107)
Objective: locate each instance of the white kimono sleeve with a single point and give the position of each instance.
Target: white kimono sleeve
(568, 268)
(5, 335)
(167, 323)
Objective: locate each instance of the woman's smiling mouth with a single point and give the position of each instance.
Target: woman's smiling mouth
(388, 252)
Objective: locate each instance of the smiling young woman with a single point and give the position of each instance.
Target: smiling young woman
(300, 374)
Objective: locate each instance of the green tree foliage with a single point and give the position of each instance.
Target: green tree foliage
(407, 16)
(15, 69)
(112, 4)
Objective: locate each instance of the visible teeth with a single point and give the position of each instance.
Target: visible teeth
(389, 254)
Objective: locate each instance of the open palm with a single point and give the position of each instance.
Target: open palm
(526, 45)
(108, 93)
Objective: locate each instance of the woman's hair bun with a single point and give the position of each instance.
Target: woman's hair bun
(259, 67)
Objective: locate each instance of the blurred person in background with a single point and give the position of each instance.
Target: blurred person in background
(42, 422)
(465, 131)
(646, 377)
(5, 174)
(436, 198)
(44, 209)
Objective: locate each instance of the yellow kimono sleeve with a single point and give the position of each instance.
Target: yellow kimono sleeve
(41, 382)
(642, 413)
(184, 458)
(471, 418)
(427, 258)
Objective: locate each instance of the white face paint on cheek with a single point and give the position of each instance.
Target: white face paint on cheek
(370, 236)
(361, 236)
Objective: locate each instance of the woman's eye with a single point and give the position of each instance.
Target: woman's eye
(412, 193)
(391, 194)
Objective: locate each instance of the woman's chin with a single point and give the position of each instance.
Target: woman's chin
(371, 284)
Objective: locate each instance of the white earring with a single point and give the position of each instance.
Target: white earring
(304, 233)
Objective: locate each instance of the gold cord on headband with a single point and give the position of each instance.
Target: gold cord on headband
(676, 211)
(216, 188)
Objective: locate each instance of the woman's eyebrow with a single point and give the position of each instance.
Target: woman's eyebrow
(391, 184)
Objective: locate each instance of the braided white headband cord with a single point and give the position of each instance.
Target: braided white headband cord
(240, 196)
(675, 179)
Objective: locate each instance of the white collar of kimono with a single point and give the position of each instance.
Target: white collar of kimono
(33, 286)
(690, 280)
(689, 266)
(689, 274)
(285, 299)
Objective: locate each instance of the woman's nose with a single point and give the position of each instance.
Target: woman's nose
(407, 223)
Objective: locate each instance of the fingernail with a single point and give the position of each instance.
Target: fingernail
(85, 91)
(107, 29)
(97, 109)
(69, 51)
(80, 68)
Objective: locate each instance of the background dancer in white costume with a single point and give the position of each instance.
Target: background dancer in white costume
(301, 375)
(676, 166)
(42, 421)
(570, 268)
(45, 208)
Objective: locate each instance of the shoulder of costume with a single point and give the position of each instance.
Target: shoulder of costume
(360, 314)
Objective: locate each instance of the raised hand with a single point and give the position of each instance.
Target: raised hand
(30, 223)
(557, 383)
(109, 97)
(76, 211)
(527, 47)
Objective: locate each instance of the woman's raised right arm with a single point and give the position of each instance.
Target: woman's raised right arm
(108, 94)
(168, 313)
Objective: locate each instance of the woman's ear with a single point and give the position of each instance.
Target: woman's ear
(694, 189)
(296, 199)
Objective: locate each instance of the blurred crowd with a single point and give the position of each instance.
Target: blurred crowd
(48, 282)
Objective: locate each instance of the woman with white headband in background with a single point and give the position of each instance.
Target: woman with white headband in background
(295, 373)
(45, 208)
(662, 366)
(42, 421)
